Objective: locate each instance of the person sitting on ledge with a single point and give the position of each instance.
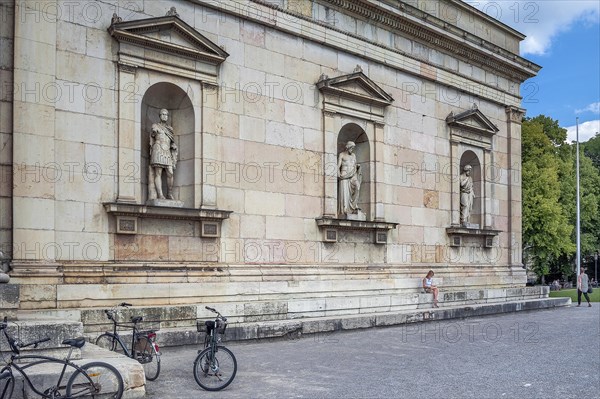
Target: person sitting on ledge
(430, 288)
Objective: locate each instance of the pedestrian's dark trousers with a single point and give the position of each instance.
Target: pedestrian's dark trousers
(587, 298)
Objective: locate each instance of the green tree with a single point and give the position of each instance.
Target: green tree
(546, 226)
(591, 149)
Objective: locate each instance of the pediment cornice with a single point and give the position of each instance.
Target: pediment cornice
(355, 86)
(150, 33)
(472, 119)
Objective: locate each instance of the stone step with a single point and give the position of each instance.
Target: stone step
(313, 325)
(29, 328)
(288, 307)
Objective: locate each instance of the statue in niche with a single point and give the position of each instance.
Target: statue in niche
(467, 195)
(350, 178)
(163, 156)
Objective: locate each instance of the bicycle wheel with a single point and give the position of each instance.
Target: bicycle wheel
(7, 384)
(110, 342)
(145, 353)
(98, 380)
(214, 373)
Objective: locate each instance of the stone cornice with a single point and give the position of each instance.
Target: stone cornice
(515, 114)
(162, 212)
(438, 33)
(373, 93)
(493, 21)
(447, 37)
(459, 230)
(464, 120)
(321, 32)
(355, 224)
(198, 48)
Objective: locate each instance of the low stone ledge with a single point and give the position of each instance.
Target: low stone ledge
(29, 329)
(9, 296)
(295, 328)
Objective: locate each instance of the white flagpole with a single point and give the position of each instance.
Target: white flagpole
(578, 216)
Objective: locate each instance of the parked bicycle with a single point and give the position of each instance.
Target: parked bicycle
(91, 380)
(215, 366)
(143, 346)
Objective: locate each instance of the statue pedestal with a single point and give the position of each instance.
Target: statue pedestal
(357, 216)
(165, 202)
(470, 225)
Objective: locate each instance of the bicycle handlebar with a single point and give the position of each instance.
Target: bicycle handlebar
(16, 344)
(34, 343)
(219, 315)
(110, 313)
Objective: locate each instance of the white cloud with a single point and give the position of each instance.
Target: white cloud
(587, 130)
(540, 21)
(593, 108)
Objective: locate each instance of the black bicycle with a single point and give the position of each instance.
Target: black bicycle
(143, 346)
(91, 380)
(215, 366)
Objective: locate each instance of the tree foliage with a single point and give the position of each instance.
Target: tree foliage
(549, 196)
(546, 227)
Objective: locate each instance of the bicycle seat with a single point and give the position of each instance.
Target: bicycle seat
(137, 319)
(76, 342)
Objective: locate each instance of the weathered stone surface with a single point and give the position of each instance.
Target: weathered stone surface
(260, 106)
(9, 296)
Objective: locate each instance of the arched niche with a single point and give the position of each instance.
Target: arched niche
(470, 158)
(181, 118)
(355, 133)
(354, 110)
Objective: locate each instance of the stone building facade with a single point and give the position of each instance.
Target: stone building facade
(262, 97)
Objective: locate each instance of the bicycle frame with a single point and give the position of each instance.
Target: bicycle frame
(215, 366)
(135, 333)
(41, 360)
(118, 340)
(211, 340)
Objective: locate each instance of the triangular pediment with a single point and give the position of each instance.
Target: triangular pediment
(170, 35)
(473, 120)
(356, 86)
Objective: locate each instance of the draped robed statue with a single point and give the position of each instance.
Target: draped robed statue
(467, 195)
(349, 181)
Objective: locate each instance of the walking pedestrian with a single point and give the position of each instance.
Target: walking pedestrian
(583, 287)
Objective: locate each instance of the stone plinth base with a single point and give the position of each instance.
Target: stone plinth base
(9, 300)
(165, 202)
(295, 328)
(31, 327)
(470, 225)
(357, 216)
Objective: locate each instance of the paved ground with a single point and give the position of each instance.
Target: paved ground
(540, 354)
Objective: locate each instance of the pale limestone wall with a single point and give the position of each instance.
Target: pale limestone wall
(262, 140)
(6, 129)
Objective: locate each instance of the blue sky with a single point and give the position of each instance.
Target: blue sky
(563, 36)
